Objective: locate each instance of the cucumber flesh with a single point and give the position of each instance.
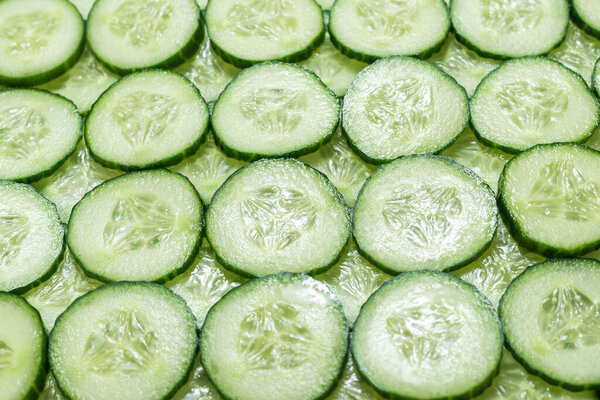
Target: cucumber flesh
(596, 78)
(585, 13)
(198, 386)
(579, 52)
(352, 386)
(51, 390)
(325, 4)
(84, 6)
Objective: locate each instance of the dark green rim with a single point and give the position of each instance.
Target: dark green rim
(580, 20)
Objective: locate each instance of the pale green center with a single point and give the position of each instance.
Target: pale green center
(266, 19)
(274, 111)
(512, 16)
(141, 22)
(14, 229)
(22, 131)
(28, 33)
(387, 19)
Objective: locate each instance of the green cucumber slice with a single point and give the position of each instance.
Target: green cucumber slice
(274, 110)
(286, 335)
(370, 29)
(352, 386)
(39, 40)
(128, 340)
(578, 52)
(130, 35)
(585, 13)
(533, 100)
(399, 106)
(424, 212)
(140, 226)
(39, 131)
(427, 335)
(550, 315)
(198, 386)
(505, 29)
(147, 119)
(596, 78)
(550, 199)
(31, 237)
(51, 390)
(22, 349)
(246, 32)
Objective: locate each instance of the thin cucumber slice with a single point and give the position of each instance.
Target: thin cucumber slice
(578, 52)
(53, 296)
(39, 40)
(427, 335)
(510, 28)
(586, 13)
(399, 106)
(464, 65)
(127, 340)
(51, 390)
(129, 35)
(550, 199)
(485, 161)
(533, 100)
(424, 212)
(198, 387)
(31, 237)
(370, 29)
(246, 32)
(285, 334)
(84, 6)
(551, 317)
(596, 78)
(22, 349)
(343, 167)
(147, 119)
(39, 130)
(77, 176)
(140, 226)
(274, 110)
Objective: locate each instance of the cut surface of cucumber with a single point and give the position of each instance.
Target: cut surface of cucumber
(283, 336)
(550, 198)
(533, 100)
(587, 14)
(198, 386)
(273, 110)
(399, 106)
(371, 29)
(551, 317)
(427, 335)
(579, 52)
(39, 40)
(140, 226)
(22, 349)
(424, 212)
(596, 78)
(129, 35)
(84, 6)
(246, 32)
(51, 390)
(352, 386)
(147, 119)
(129, 340)
(39, 131)
(31, 237)
(510, 28)
(325, 4)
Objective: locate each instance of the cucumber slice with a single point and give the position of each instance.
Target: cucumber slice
(285, 334)
(246, 32)
(140, 226)
(596, 78)
(39, 40)
(586, 13)
(399, 106)
(84, 6)
(146, 120)
(550, 199)
(510, 28)
(198, 387)
(31, 237)
(578, 52)
(551, 318)
(427, 335)
(129, 35)
(22, 349)
(462, 64)
(77, 176)
(51, 390)
(371, 29)
(343, 167)
(424, 212)
(352, 386)
(277, 215)
(128, 340)
(39, 131)
(274, 110)
(531, 101)
(485, 161)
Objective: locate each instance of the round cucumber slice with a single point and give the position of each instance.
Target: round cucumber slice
(39, 40)
(147, 119)
(427, 335)
(144, 225)
(424, 212)
(128, 340)
(285, 334)
(277, 215)
(586, 14)
(550, 198)
(399, 106)
(551, 318)
(578, 52)
(530, 101)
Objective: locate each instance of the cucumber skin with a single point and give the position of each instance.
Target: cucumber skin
(581, 23)
(517, 232)
(596, 78)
